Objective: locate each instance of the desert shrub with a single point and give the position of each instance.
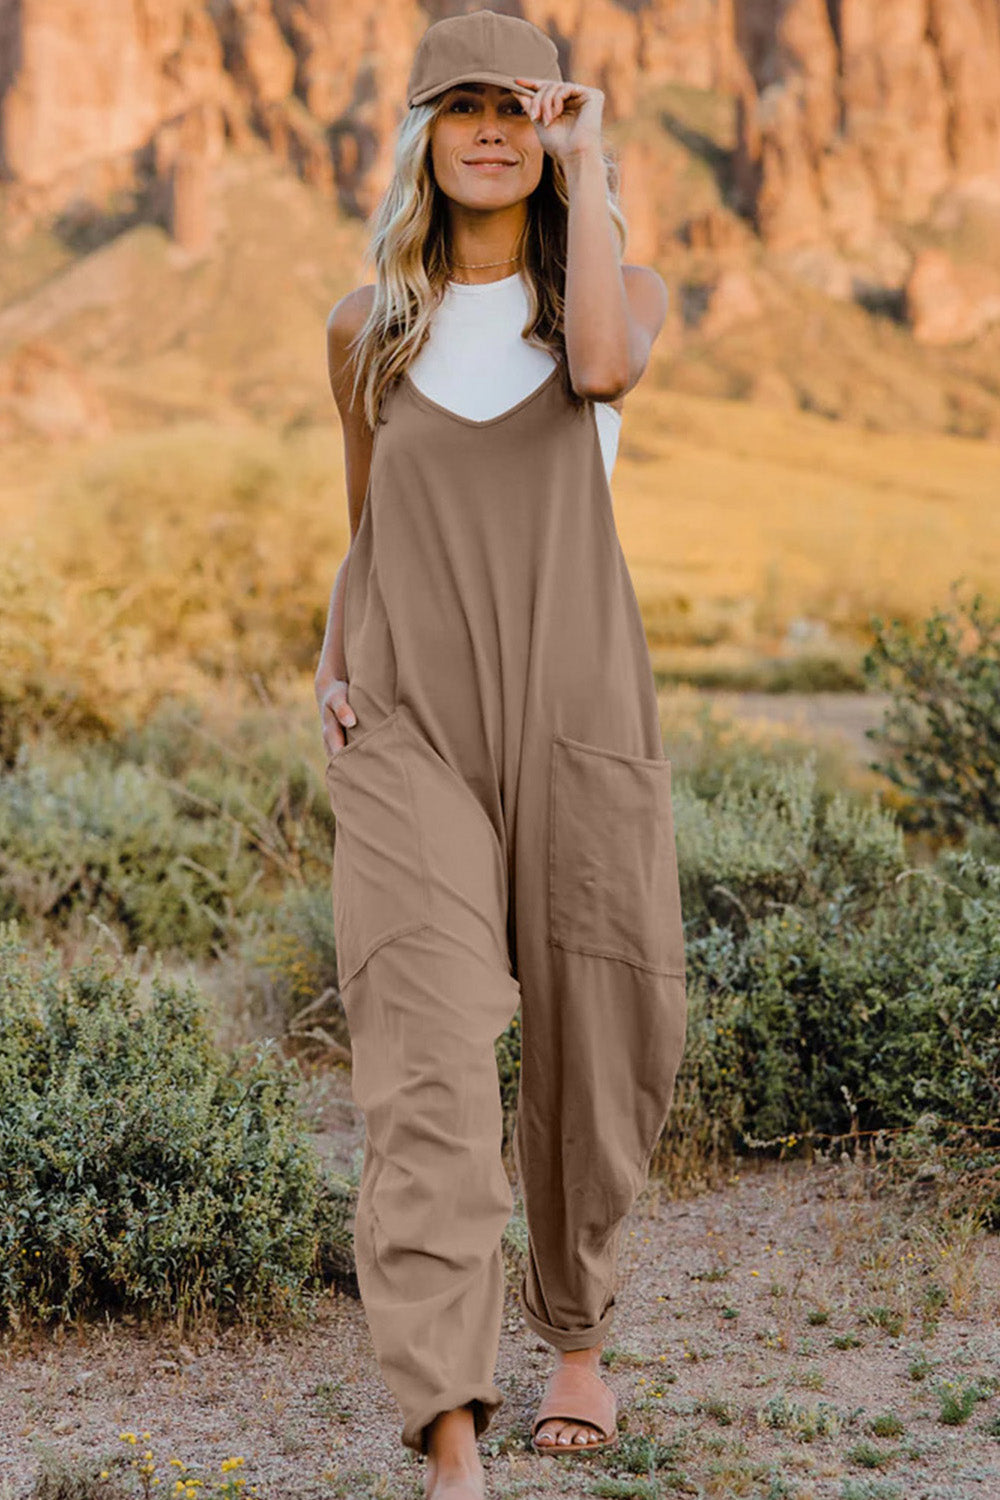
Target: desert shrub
(335, 1205)
(809, 1027)
(763, 832)
(297, 944)
(957, 1164)
(508, 1055)
(942, 730)
(810, 1020)
(142, 1169)
(115, 843)
(170, 838)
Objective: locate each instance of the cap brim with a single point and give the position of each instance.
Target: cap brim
(505, 80)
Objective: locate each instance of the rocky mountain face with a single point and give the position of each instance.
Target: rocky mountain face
(850, 112)
(846, 123)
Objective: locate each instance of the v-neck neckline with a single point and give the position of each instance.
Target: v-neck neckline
(446, 411)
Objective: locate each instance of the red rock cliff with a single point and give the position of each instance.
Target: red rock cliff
(850, 112)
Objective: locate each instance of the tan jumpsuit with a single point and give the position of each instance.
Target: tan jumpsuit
(504, 834)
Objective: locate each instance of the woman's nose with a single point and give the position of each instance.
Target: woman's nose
(491, 126)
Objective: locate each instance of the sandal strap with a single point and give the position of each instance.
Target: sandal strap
(576, 1394)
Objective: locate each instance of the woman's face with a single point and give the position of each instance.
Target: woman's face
(481, 123)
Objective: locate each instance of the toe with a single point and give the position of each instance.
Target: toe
(585, 1434)
(565, 1433)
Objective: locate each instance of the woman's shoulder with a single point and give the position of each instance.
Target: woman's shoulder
(347, 315)
(344, 321)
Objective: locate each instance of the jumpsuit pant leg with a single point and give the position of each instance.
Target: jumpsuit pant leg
(593, 1099)
(434, 1197)
(600, 960)
(424, 1007)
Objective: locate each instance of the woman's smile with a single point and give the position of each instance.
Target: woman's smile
(490, 165)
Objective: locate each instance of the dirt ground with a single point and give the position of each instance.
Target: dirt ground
(794, 1333)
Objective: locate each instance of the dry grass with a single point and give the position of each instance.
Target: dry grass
(736, 521)
(174, 559)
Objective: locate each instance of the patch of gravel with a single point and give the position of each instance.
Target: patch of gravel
(723, 1348)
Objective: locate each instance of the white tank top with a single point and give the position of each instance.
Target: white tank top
(476, 364)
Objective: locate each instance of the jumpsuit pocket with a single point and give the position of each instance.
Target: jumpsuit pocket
(379, 873)
(614, 889)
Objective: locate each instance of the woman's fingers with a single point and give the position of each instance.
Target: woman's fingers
(546, 102)
(549, 101)
(536, 102)
(336, 711)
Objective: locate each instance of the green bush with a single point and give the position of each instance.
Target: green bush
(812, 1020)
(172, 839)
(296, 946)
(114, 843)
(763, 833)
(142, 1169)
(832, 987)
(942, 730)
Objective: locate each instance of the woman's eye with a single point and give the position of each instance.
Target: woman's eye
(515, 107)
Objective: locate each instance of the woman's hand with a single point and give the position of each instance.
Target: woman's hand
(567, 116)
(334, 710)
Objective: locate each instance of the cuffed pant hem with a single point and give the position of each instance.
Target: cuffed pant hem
(486, 1401)
(565, 1338)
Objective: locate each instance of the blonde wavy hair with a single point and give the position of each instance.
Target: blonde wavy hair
(410, 253)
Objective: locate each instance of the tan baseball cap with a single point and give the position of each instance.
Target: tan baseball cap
(480, 47)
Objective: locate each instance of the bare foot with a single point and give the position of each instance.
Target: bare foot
(454, 1470)
(559, 1430)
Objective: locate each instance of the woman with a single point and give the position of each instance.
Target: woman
(494, 754)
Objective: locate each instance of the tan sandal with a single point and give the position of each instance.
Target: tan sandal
(575, 1393)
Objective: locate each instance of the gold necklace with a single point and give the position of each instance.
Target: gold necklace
(481, 265)
(473, 265)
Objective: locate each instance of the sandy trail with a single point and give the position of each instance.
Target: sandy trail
(761, 1328)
